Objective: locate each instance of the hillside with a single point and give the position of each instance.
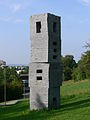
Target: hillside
(75, 105)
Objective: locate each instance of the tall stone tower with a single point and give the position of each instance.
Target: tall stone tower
(45, 64)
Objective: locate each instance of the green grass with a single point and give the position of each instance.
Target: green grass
(75, 105)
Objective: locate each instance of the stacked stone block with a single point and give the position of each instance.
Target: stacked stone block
(45, 64)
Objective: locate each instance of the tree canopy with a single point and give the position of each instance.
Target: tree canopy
(69, 64)
(83, 67)
(13, 84)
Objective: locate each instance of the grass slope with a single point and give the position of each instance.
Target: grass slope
(75, 105)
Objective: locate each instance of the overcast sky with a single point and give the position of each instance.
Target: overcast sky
(15, 26)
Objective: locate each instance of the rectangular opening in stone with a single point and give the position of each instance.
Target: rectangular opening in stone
(38, 27)
(54, 27)
(39, 77)
(54, 43)
(39, 71)
(54, 101)
(54, 57)
(54, 50)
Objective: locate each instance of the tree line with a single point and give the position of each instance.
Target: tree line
(14, 87)
(76, 71)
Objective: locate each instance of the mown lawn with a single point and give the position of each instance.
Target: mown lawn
(75, 105)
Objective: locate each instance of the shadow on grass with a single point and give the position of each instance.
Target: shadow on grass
(75, 105)
(21, 111)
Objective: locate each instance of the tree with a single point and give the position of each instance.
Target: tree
(69, 64)
(87, 44)
(79, 72)
(86, 63)
(83, 70)
(14, 85)
(14, 90)
(1, 84)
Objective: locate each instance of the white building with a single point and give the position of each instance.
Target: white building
(2, 63)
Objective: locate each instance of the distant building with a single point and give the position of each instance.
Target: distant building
(20, 69)
(25, 81)
(2, 63)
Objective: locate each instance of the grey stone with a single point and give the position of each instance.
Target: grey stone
(45, 71)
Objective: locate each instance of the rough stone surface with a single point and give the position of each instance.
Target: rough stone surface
(45, 71)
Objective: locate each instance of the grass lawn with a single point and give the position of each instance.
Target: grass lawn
(75, 105)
